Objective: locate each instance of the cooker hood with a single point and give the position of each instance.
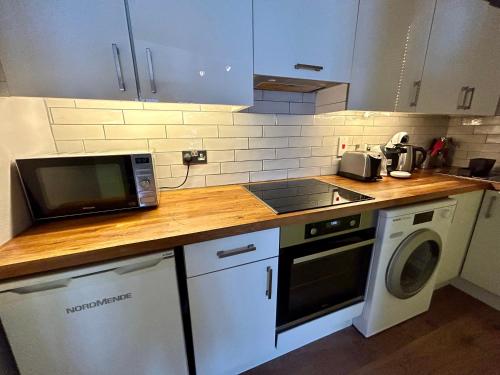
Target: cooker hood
(261, 82)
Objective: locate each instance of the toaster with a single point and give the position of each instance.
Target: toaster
(361, 165)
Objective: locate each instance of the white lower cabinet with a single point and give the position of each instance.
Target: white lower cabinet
(482, 265)
(233, 317)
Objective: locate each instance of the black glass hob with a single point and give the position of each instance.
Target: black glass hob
(304, 194)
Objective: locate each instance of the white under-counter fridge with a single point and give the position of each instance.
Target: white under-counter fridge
(120, 318)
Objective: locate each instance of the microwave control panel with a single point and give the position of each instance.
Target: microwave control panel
(145, 180)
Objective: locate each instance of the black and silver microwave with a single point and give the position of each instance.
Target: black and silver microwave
(61, 186)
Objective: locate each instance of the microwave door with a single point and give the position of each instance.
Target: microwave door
(68, 186)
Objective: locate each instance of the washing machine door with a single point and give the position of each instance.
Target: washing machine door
(413, 263)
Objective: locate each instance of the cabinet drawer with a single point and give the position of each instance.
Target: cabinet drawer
(232, 251)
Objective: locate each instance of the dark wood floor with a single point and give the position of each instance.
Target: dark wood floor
(458, 335)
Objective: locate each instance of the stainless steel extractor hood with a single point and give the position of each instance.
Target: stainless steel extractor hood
(272, 83)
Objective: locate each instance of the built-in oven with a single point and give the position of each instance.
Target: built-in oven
(59, 186)
(323, 267)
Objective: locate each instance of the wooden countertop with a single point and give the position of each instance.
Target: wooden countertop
(194, 215)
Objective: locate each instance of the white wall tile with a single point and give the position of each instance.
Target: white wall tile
(225, 143)
(298, 152)
(60, 102)
(349, 130)
(302, 108)
(134, 131)
(172, 106)
(220, 156)
(210, 118)
(192, 131)
(324, 151)
(107, 104)
(241, 166)
(304, 172)
(115, 145)
(304, 141)
(77, 132)
(316, 161)
(326, 120)
(80, 116)
(164, 145)
(282, 96)
(311, 131)
(191, 182)
(281, 131)
(168, 158)
(253, 119)
(309, 97)
(385, 121)
(70, 146)
(265, 106)
(268, 175)
(274, 142)
(255, 154)
(196, 169)
(295, 119)
(359, 120)
(493, 138)
(485, 129)
(163, 171)
(281, 164)
(227, 179)
(240, 131)
(152, 117)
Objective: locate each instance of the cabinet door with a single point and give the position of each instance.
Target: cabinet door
(389, 54)
(67, 49)
(463, 51)
(194, 50)
(482, 265)
(233, 317)
(290, 32)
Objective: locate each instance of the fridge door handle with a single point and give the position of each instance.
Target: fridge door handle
(62, 283)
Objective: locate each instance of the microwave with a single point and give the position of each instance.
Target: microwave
(61, 186)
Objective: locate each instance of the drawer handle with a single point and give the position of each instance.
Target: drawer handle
(269, 288)
(237, 251)
(316, 68)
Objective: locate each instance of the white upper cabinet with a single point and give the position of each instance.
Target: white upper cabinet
(461, 74)
(318, 34)
(194, 50)
(389, 54)
(67, 49)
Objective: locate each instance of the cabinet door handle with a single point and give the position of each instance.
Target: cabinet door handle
(489, 210)
(237, 251)
(152, 83)
(471, 91)
(462, 97)
(416, 86)
(269, 284)
(316, 68)
(118, 67)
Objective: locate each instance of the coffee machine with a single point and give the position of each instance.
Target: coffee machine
(391, 151)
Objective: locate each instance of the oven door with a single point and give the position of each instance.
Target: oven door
(317, 278)
(66, 186)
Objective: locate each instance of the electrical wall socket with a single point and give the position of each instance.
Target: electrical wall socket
(342, 146)
(197, 157)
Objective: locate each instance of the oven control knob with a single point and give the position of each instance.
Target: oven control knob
(352, 223)
(313, 231)
(145, 183)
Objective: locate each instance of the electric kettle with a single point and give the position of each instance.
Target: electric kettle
(408, 160)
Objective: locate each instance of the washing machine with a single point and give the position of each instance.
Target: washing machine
(408, 247)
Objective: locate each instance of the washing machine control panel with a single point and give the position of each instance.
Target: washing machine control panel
(423, 217)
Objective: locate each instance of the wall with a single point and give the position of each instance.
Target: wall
(3, 82)
(24, 131)
(242, 146)
(475, 138)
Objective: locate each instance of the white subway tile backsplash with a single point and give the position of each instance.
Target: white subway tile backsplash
(324, 151)
(241, 166)
(281, 164)
(302, 108)
(325, 120)
(115, 145)
(152, 117)
(316, 161)
(164, 145)
(227, 179)
(385, 121)
(210, 118)
(240, 131)
(266, 106)
(311, 131)
(80, 116)
(485, 129)
(309, 97)
(305, 141)
(253, 119)
(225, 143)
(196, 169)
(304, 172)
(297, 152)
(172, 106)
(274, 142)
(282, 96)
(281, 131)
(60, 102)
(191, 182)
(134, 131)
(77, 132)
(167, 158)
(192, 131)
(493, 138)
(163, 171)
(295, 120)
(70, 146)
(280, 174)
(106, 104)
(255, 154)
(220, 156)
(359, 120)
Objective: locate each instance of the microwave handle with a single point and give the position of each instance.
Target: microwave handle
(336, 250)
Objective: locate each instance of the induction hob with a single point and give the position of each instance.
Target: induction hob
(304, 194)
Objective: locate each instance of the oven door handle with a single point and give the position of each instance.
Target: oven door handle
(325, 253)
